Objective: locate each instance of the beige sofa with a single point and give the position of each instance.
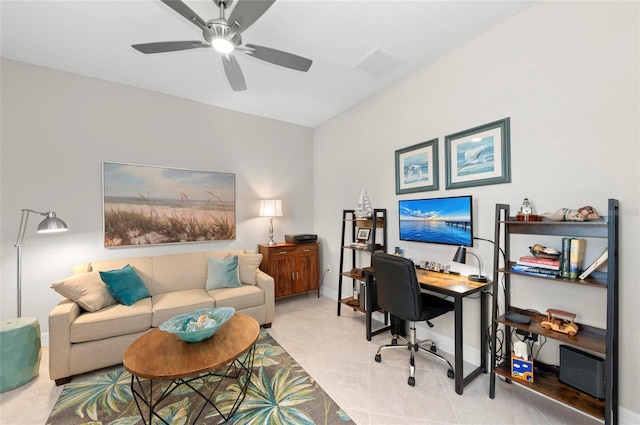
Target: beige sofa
(82, 341)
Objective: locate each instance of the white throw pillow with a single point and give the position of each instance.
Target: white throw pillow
(248, 264)
(86, 289)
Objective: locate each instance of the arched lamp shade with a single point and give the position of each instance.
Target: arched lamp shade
(52, 224)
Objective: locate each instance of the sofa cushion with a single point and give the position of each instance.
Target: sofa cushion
(239, 298)
(112, 321)
(125, 285)
(165, 306)
(178, 272)
(248, 265)
(87, 289)
(223, 272)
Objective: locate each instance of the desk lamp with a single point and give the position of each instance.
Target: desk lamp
(271, 208)
(461, 257)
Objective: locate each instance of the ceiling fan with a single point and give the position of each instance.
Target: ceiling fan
(224, 36)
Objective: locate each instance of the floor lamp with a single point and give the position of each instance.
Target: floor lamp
(21, 348)
(51, 224)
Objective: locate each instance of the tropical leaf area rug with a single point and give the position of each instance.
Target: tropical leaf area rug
(280, 392)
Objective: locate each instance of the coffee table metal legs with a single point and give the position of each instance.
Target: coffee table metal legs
(241, 367)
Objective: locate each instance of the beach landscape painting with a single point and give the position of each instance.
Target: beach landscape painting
(149, 205)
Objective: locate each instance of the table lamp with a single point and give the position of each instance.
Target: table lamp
(461, 257)
(271, 208)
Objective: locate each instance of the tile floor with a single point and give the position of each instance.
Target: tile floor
(336, 353)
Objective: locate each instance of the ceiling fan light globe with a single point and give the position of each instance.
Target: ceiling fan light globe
(222, 45)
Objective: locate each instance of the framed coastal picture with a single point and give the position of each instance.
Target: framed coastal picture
(417, 168)
(478, 156)
(150, 205)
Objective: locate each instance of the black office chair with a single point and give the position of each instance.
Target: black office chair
(399, 294)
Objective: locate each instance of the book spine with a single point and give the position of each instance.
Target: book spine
(544, 266)
(546, 262)
(566, 250)
(576, 257)
(547, 275)
(534, 269)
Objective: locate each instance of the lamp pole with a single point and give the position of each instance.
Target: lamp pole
(51, 224)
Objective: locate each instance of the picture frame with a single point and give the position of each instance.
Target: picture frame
(478, 156)
(363, 234)
(417, 168)
(147, 205)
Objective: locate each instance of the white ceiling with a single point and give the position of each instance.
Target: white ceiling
(93, 38)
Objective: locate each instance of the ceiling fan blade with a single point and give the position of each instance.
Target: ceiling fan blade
(186, 11)
(247, 12)
(234, 73)
(168, 46)
(278, 57)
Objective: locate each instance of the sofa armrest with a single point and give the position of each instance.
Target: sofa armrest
(267, 284)
(60, 319)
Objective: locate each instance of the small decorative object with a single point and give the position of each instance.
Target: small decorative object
(478, 156)
(540, 251)
(526, 212)
(363, 234)
(585, 213)
(363, 206)
(560, 321)
(198, 325)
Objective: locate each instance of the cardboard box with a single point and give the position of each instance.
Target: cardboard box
(521, 369)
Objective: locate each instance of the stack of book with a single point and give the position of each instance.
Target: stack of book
(540, 267)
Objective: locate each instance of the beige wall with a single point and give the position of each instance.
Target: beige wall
(57, 128)
(567, 73)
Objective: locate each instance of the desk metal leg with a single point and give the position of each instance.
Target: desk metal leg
(460, 379)
(459, 361)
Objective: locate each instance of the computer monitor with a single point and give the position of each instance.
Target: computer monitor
(446, 221)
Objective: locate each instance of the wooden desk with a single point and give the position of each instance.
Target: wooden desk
(458, 287)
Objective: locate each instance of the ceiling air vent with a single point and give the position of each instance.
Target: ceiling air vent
(377, 63)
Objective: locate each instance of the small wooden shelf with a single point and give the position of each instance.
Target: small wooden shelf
(588, 337)
(546, 382)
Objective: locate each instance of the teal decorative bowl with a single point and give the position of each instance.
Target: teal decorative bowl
(198, 325)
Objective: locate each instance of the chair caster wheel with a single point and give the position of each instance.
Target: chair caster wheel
(450, 374)
(412, 381)
(394, 341)
(433, 348)
(378, 358)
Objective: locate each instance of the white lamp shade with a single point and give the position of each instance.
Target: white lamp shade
(271, 208)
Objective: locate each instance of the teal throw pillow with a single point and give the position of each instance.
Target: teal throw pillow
(125, 285)
(223, 272)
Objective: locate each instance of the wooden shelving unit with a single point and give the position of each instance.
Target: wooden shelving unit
(348, 253)
(598, 340)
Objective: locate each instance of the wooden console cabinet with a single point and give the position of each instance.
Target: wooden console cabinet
(294, 267)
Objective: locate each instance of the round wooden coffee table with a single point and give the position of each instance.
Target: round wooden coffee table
(162, 355)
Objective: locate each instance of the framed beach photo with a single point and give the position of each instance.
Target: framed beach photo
(150, 205)
(417, 168)
(478, 156)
